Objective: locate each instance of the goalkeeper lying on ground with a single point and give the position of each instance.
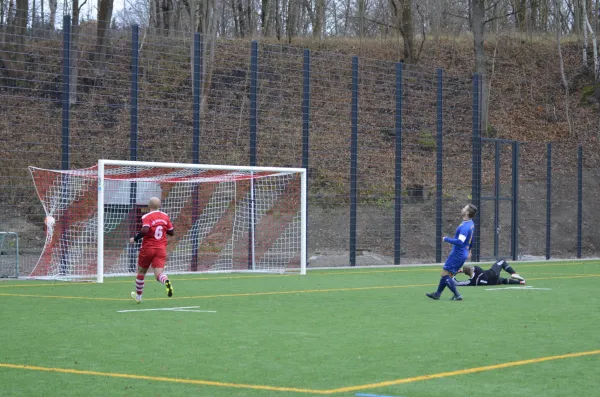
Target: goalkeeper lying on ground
(478, 276)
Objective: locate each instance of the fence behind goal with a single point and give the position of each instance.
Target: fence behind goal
(391, 150)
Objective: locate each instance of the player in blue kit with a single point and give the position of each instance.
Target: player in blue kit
(461, 250)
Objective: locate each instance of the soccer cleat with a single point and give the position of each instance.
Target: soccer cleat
(433, 296)
(456, 298)
(169, 288)
(522, 282)
(136, 297)
(517, 277)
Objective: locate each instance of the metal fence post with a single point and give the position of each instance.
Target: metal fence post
(579, 198)
(66, 121)
(497, 199)
(305, 108)
(197, 96)
(66, 108)
(548, 199)
(398, 168)
(253, 127)
(439, 165)
(306, 116)
(133, 141)
(133, 110)
(197, 84)
(354, 162)
(515, 201)
(253, 105)
(476, 172)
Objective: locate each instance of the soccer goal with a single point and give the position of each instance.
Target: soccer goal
(226, 218)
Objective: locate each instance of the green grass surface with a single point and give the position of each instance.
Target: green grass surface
(325, 331)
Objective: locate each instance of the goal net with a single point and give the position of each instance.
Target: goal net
(226, 218)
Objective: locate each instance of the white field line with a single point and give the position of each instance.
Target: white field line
(517, 288)
(170, 309)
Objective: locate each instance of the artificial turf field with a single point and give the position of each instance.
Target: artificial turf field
(332, 332)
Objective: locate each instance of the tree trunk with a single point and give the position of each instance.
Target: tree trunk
(250, 20)
(533, 15)
(520, 14)
(74, 54)
(478, 29)
(20, 30)
(585, 35)
(561, 63)
(346, 17)
(33, 15)
(361, 19)
(242, 18)
(576, 17)
(319, 19)
(544, 14)
(102, 30)
(277, 19)
(292, 15)
(158, 17)
(588, 26)
(402, 11)
(265, 17)
(53, 4)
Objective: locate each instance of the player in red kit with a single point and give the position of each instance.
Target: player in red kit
(155, 227)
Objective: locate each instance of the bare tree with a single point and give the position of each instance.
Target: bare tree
(53, 4)
(588, 26)
(319, 19)
(585, 37)
(402, 12)
(74, 52)
(561, 63)
(105, 9)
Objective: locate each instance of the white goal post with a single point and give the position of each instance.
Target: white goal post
(226, 218)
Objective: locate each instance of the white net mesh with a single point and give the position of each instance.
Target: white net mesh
(224, 220)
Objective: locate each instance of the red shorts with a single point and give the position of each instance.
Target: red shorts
(157, 257)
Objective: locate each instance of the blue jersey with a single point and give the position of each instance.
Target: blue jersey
(463, 238)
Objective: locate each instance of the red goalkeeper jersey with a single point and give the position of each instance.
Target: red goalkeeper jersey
(159, 223)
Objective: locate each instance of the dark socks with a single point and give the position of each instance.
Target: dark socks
(508, 281)
(509, 269)
(441, 287)
(450, 284)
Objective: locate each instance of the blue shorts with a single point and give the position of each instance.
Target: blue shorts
(453, 264)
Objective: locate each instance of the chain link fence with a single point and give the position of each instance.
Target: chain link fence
(363, 209)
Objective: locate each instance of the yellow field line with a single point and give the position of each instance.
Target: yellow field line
(148, 276)
(302, 390)
(341, 272)
(309, 291)
(161, 379)
(460, 372)
(306, 291)
(66, 297)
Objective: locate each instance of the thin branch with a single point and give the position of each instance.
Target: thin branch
(81, 6)
(423, 30)
(502, 16)
(375, 22)
(493, 5)
(454, 15)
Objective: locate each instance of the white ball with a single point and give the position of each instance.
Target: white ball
(49, 221)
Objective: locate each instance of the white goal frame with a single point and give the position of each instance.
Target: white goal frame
(103, 163)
